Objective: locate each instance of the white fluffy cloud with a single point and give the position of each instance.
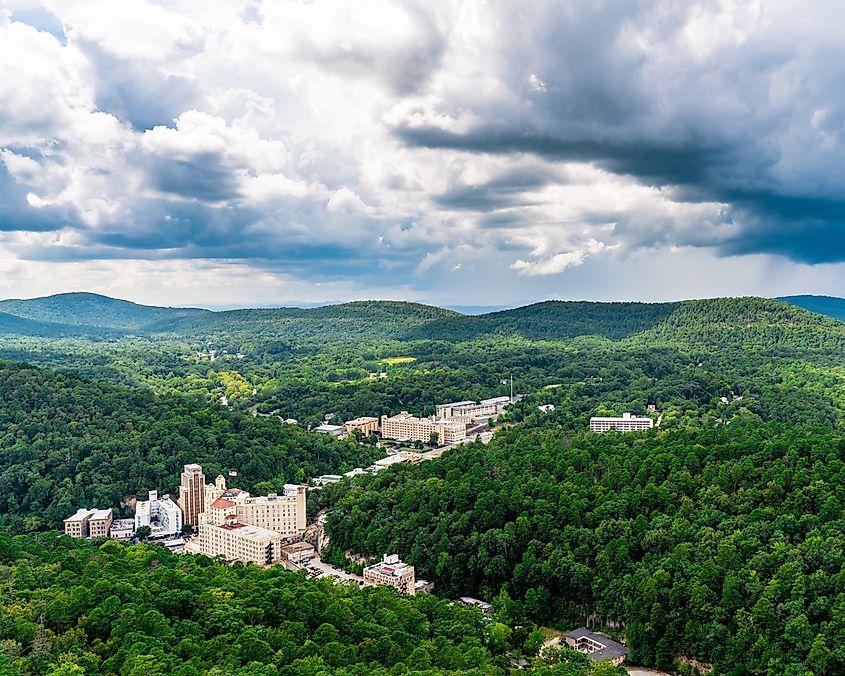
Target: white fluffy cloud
(422, 146)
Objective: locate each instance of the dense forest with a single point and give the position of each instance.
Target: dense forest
(66, 443)
(717, 537)
(74, 608)
(726, 545)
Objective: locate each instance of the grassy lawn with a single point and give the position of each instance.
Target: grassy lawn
(393, 361)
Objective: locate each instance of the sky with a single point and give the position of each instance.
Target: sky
(460, 152)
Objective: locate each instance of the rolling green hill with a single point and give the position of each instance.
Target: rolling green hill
(92, 310)
(13, 325)
(67, 442)
(759, 324)
(551, 320)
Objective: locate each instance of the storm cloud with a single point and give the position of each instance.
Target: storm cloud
(423, 146)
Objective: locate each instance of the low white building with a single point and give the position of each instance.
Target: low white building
(162, 515)
(122, 529)
(627, 423)
(337, 431)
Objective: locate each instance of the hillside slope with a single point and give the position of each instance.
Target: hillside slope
(13, 325)
(92, 310)
(66, 442)
(759, 324)
(550, 320)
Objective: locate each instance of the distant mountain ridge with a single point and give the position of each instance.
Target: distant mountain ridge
(694, 322)
(92, 310)
(823, 305)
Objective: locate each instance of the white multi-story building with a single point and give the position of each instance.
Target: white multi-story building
(405, 427)
(392, 572)
(627, 423)
(236, 541)
(473, 409)
(162, 515)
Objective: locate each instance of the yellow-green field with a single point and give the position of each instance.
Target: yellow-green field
(393, 361)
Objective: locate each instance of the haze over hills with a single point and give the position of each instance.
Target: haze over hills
(823, 305)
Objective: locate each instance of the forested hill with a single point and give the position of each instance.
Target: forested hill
(11, 324)
(76, 608)
(823, 305)
(93, 310)
(756, 324)
(66, 443)
(550, 320)
(697, 321)
(726, 544)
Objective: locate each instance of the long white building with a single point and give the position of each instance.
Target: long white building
(473, 409)
(162, 515)
(627, 423)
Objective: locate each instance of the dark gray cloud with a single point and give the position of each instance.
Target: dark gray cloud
(138, 92)
(203, 176)
(754, 125)
(17, 215)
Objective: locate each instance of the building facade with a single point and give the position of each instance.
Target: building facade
(337, 431)
(192, 494)
(89, 523)
(627, 423)
(282, 513)
(405, 427)
(366, 425)
(235, 541)
(161, 515)
(473, 409)
(392, 572)
(596, 646)
(122, 529)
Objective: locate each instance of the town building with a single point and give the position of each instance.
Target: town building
(483, 606)
(192, 494)
(235, 541)
(219, 490)
(366, 425)
(627, 423)
(546, 408)
(405, 427)
(298, 553)
(401, 456)
(596, 646)
(282, 513)
(122, 529)
(89, 523)
(161, 515)
(325, 479)
(392, 572)
(423, 586)
(472, 409)
(337, 431)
